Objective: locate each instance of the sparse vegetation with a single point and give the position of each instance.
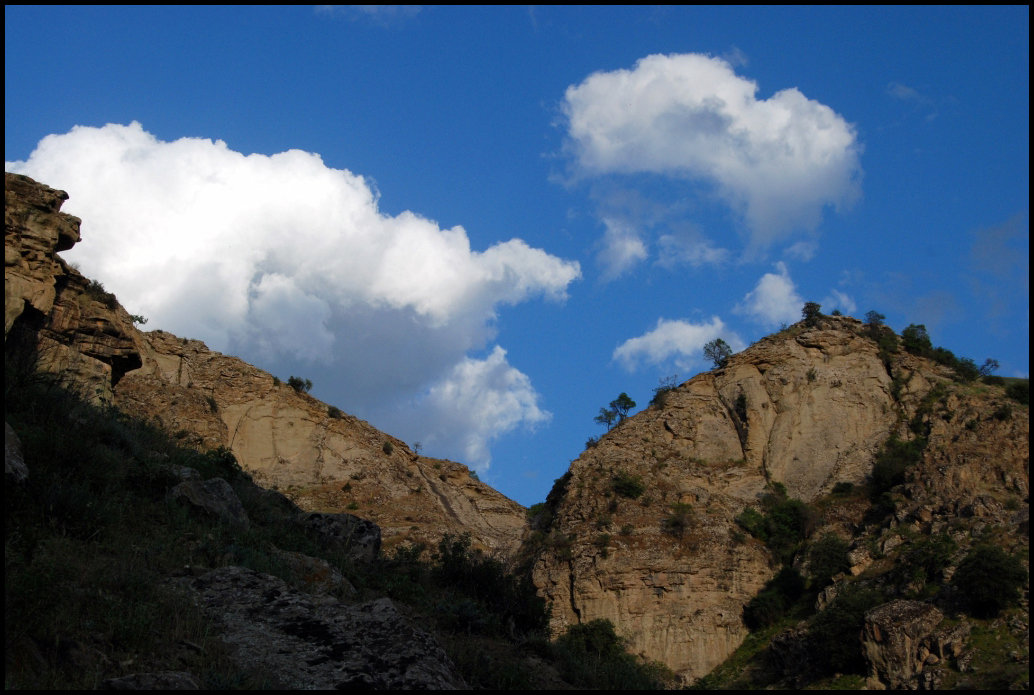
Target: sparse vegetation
(299, 384)
(679, 521)
(592, 654)
(95, 290)
(811, 313)
(628, 485)
(988, 580)
(665, 386)
(718, 352)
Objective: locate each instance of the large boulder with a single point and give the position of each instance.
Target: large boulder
(897, 640)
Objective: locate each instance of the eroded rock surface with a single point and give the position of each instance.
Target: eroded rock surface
(77, 329)
(897, 642)
(808, 408)
(325, 460)
(305, 644)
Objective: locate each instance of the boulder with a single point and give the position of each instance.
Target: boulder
(215, 497)
(303, 644)
(896, 640)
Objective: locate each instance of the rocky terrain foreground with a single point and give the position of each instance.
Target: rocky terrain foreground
(824, 479)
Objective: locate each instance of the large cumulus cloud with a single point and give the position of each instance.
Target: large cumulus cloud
(289, 262)
(777, 162)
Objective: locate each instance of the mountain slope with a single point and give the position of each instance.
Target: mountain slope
(643, 531)
(322, 458)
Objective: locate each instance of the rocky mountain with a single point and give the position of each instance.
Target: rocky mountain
(320, 457)
(646, 529)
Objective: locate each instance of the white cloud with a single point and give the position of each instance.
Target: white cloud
(281, 258)
(774, 300)
(839, 300)
(778, 161)
(620, 249)
(690, 248)
(481, 399)
(680, 341)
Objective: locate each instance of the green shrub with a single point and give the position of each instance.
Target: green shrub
(628, 485)
(299, 384)
(505, 598)
(916, 340)
(592, 656)
(924, 561)
(783, 525)
(893, 461)
(843, 488)
(388, 448)
(834, 632)
(827, 558)
(679, 521)
(1019, 391)
(774, 600)
(988, 580)
(664, 387)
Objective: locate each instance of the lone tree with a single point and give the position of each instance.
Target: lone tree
(718, 351)
(621, 405)
(811, 312)
(299, 384)
(606, 417)
(874, 323)
(618, 410)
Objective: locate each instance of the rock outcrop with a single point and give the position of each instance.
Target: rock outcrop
(307, 642)
(643, 529)
(897, 643)
(77, 329)
(325, 460)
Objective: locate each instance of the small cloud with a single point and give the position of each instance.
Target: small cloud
(802, 250)
(735, 57)
(904, 92)
(476, 402)
(620, 249)
(913, 97)
(774, 300)
(679, 341)
(840, 301)
(689, 247)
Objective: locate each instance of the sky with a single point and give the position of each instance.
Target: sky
(475, 227)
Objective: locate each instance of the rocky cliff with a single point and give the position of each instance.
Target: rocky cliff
(324, 459)
(643, 532)
(81, 331)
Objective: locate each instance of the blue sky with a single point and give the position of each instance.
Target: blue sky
(476, 226)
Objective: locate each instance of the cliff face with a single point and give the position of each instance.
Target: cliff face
(323, 459)
(643, 531)
(80, 330)
(285, 439)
